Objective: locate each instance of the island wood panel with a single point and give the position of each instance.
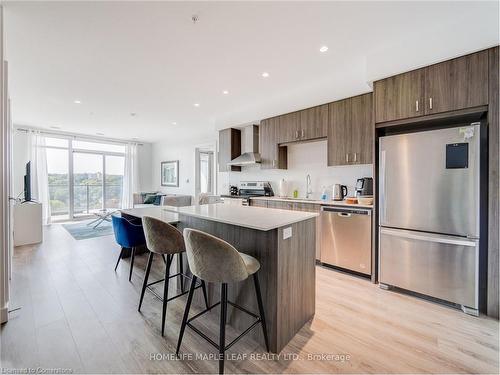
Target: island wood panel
(396, 97)
(493, 189)
(280, 262)
(456, 84)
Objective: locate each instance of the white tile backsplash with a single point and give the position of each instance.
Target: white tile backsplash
(303, 158)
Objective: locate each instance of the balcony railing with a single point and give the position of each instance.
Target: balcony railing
(87, 198)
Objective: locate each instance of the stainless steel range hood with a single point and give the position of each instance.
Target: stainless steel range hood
(250, 147)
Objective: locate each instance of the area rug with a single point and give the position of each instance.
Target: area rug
(82, 231)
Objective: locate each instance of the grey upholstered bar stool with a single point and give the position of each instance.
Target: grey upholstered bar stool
(165, 239)
(214, 260)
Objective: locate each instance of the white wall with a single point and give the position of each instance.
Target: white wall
(303, 158)
(185, 153)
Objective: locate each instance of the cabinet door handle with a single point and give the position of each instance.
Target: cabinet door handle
(355, 157)
(296, 134)
(430, 103)
(347, 157)
(274, 163)
(302, 132)
(416, 106)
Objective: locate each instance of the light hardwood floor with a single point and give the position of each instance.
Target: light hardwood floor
(76, 313)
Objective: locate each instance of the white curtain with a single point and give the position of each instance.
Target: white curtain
(39, 174)
(130, 176)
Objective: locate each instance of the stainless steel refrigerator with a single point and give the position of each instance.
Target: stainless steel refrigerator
(429, 213)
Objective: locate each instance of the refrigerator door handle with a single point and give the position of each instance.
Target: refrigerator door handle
(429, 237)
(382, 187)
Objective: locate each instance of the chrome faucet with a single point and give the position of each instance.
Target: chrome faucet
(308, 186)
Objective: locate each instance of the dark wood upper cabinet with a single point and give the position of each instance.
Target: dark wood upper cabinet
(362, 130)
(399, 97)
(338, 132)
(229, 148)
(457, 84)
(272, 155)
(288, 127)
(313, 122)
(448, 86)
(350, 131)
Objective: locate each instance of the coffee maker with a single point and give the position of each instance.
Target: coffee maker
(364, 186)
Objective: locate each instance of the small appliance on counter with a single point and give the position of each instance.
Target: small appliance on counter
(233, 190)
(364, 186)
(249, 189)
(339, 192)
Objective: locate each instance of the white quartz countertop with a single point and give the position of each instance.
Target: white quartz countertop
(311, 201)
(158, 212)
(259, 218)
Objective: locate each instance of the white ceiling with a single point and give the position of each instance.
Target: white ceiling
(151, 59)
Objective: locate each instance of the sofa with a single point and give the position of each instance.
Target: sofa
(159, 199)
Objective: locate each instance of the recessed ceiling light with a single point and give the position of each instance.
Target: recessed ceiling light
(77, 101)
(174, 123)
(265, 74)
(133, 114)
(100, 133)
(323, 49)
(225, 92)
(196, 104)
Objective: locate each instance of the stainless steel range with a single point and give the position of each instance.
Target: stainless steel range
(249, 189)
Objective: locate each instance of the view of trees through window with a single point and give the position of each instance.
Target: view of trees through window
(97, 178)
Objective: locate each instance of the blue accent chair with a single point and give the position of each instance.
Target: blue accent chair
(128, 235)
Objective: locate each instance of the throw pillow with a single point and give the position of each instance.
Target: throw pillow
(150, 199)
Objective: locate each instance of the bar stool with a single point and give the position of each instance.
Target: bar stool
(214, 260)
(165, 239)
(128, 235)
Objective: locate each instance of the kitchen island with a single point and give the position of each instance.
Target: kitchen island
(284, 243)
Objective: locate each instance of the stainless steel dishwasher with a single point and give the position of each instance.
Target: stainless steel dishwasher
(346, 238)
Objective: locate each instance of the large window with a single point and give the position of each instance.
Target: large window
(84, 177)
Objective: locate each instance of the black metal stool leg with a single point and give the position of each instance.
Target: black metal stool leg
(146, 276)
(205, 296)
(163, 257)
(165, 293)
(261, 309)
(119, 258)
(222, 333)
(132, 257)
(186, 313)
(181, 270)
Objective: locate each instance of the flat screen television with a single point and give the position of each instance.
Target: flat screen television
(27, 183)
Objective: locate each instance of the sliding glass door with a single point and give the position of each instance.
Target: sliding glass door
(84, 177)
(88, 173)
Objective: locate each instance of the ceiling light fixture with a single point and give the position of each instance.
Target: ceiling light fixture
(225, 92)
(323, 49)
(174, 123)
(196, 104)
(265, 74)
(133, 114)
(76, 101)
